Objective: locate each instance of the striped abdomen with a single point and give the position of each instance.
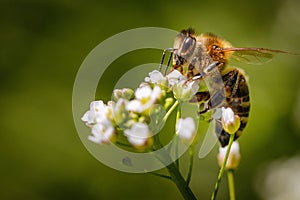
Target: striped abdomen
(237, 98)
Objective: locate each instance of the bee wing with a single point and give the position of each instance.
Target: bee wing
(213, 80)
(255, 56)
(215, 85)
(209, 141)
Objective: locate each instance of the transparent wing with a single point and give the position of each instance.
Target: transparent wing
(213, 80)
(215, 85)
(255, 56)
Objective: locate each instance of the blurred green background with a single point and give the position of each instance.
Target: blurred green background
(43, 44)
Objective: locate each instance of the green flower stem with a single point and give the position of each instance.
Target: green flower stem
(221, 172)
(170, 110)
(191, 154)
(176, 150)
(173, 168)
(174, 172)
(230, 177)
(178, 116)
(181, 184)
(160, 175)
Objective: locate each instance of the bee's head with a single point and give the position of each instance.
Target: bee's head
(184, 45)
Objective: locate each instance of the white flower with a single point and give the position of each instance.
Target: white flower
(234, 157)
(172, 78)
(186, 128)
(185, 91)
(138, 134)
(97, 113)
(230, 121)
(175, 77)
(145, 97)
(102, 133)
(155, 77)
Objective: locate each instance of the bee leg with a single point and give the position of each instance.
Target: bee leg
(206, 108)
(191, 69)
(163, 57)
(203, 111)
(212, 66)
(200, 97)
(168, 63)
(208, 69)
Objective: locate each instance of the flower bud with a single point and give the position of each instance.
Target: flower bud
(120, 114)
(125, 93)
(234, 157)
(230, 121)
(168, 102)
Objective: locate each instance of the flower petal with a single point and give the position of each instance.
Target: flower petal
(85, 117)
(228, 115)
(155, 77)
(138, 134)
(102, 132)
(134, 105)
(186, 128)
(143, 92)
(174, 77)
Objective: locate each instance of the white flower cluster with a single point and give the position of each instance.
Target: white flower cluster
(182, 88)
(98, 118)
(129, 112)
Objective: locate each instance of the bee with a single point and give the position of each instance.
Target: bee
(205, 57)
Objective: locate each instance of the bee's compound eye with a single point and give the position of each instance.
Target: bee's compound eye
(189, 41)
(188, 44)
